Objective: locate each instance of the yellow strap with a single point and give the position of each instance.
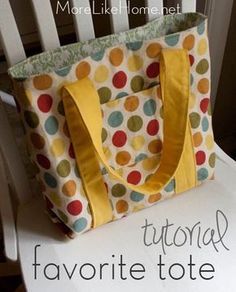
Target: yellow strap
(175, 84)
(88, 165)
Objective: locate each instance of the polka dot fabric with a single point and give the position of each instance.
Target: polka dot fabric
(127, 81)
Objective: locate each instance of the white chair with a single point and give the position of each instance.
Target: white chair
(44, 254)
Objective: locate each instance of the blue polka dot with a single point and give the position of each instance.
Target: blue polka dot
(51, 125)
(80, 224)
(115, 119)
(50, 180)
(134, 46)
(121, 94)
(205, 124)
(136, 197)
(202, 174)
(140, 157)
(64, 71)
(170, 187)
(172, 40)
(98, 56)
(201, 28)
(150, 107)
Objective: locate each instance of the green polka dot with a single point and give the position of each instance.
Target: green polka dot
(121, 94)
(212, 160)
(31, 119)
(62, 216)
(60, 108)
(80, 224)
(51, 125)
(98, 56)
(77, 173)
(170, 187)
(136, 197)
(135, 123)
(63, 168)
(205, 124)
(191, 79)
(64, 71)
(137, 83)
(172, 40)
(118, 191)
(201, 28)
(202, 174)
(195, 120)
(104, 94)
(202, 66)
(135, 46)
(149, 107)
(115, 119)
(104, 135)
(50, 180)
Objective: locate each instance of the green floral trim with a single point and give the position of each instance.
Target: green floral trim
(67, 55)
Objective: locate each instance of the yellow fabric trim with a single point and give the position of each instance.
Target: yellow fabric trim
(185, 177)
(87, 163)
(175, 72)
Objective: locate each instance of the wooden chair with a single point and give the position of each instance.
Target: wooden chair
(29, 236)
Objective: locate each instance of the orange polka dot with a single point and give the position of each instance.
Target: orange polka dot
(116, 57)
(83, 70)
(154, 198)
(203, 86)
(153, 50)
(123, 158)
(155, 146)
(122, 206)
(159, 92)
(131, 103)
(42, 82)
(189, 41)
(69, 188)
(197, 139)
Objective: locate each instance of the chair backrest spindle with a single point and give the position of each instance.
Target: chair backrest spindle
(189, 5)
(119, 21)
(157, 4)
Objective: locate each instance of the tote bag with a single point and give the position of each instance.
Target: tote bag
(119, 123)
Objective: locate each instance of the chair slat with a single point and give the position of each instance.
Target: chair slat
(46, 24)
(189, 5)
(9, 35)
(120, 20)
(83, 21)
(158, 4)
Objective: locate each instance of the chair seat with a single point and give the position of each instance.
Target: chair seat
(125, 237)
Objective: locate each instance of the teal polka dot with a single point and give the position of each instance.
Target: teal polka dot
(170, 187)
(205, 124)
(140, 157)
(201, 28)
(51, 125)
(150, 107)
(50, 180)
(121, 94)
(202, 174)
(172, 40)
(80, 224)
(98, 56)
(136, 197)
(134, 46)
(115, 119)
(63, 72)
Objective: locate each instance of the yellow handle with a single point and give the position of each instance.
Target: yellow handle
(83, 100)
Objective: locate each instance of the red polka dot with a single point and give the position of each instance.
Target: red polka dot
(204, 105)
(153, 128)
(119, 139)
(45, 103)
(134, 177)
(72, 152)
(191, 59)
(43, 161)
(75, 208)
(153, 70)
(200, 157)
(119, 79)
